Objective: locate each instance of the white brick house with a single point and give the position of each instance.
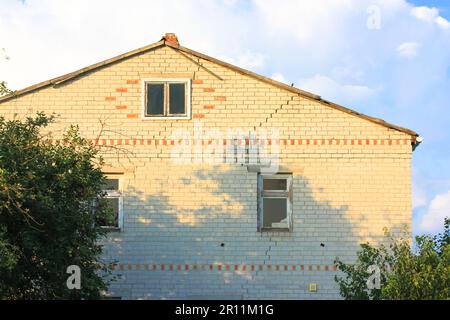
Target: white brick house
(195, 220)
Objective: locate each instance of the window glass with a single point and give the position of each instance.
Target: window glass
(114, 205)
(155, 99)
(274, 184)
(111, 184)
(177, 98)
(274, 212)
(111, 220)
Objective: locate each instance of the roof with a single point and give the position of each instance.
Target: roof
(174, 45)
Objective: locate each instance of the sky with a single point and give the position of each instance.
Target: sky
(386, 58)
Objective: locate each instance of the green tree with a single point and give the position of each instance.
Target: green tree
(420, 274)
(47, 216)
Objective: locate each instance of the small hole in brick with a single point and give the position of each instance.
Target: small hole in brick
(322, 245)
(222, 244)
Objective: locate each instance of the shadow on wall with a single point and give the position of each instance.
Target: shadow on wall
(196, 237)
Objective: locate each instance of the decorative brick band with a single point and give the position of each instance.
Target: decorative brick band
(197, 81)
(221, 267)
(110, 98)
(121, 89)
(132, 81)
(282, 142)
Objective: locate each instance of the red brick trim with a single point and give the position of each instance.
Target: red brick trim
(121, 89)
(133, 81)
(121, 107)
(197, 81)
(198, 116)
(220, 98)
(110, 98)
(208, 90)
(208, 107)
(220, 267)
(286, 143)
(132, 115)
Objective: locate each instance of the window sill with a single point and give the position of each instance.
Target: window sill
(275, 230)
(111, 229)
(166, 118)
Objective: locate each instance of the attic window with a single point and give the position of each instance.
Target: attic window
(275, 202)
(167, 99)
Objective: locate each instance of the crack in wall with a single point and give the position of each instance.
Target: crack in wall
(276, 111)
(265, 260)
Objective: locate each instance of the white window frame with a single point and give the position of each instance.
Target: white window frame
(275, 194)
(144, 83)
(112, 194)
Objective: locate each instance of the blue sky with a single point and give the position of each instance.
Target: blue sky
(386, 58)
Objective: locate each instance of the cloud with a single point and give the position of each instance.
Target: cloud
(433, 220)
(246, 60)
(329, 88)
(419, 196)
(407, 49)
(430, 15)
(279, 77)
(443, 23)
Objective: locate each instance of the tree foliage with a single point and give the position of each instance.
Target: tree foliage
(47, 220)
(405, 274)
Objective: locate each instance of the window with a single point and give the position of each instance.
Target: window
(275, 202)
(167, 99)
(113, 199)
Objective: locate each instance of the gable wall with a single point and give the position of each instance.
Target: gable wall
(351, 179)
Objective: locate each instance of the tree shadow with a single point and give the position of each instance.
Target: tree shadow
(194, 235)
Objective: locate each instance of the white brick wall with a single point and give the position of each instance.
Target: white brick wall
(351, 179)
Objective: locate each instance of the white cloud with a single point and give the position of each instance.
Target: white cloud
(419, 186)
(430, 15)
(443, 23)
(330, 89)
(247, 60)
(419, 196)
(279, 77)
(407, 49)
(433, 220)
(425, 13)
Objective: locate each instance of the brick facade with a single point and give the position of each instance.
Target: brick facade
(190, 230)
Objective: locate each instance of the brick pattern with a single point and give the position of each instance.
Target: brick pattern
(351, 178)
(282, 142)
(219, 267)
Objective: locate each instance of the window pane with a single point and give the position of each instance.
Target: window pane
(111, 184)
(112, 220)
(155, 99)
(177, 98)
(275, 213)
(275, 184)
